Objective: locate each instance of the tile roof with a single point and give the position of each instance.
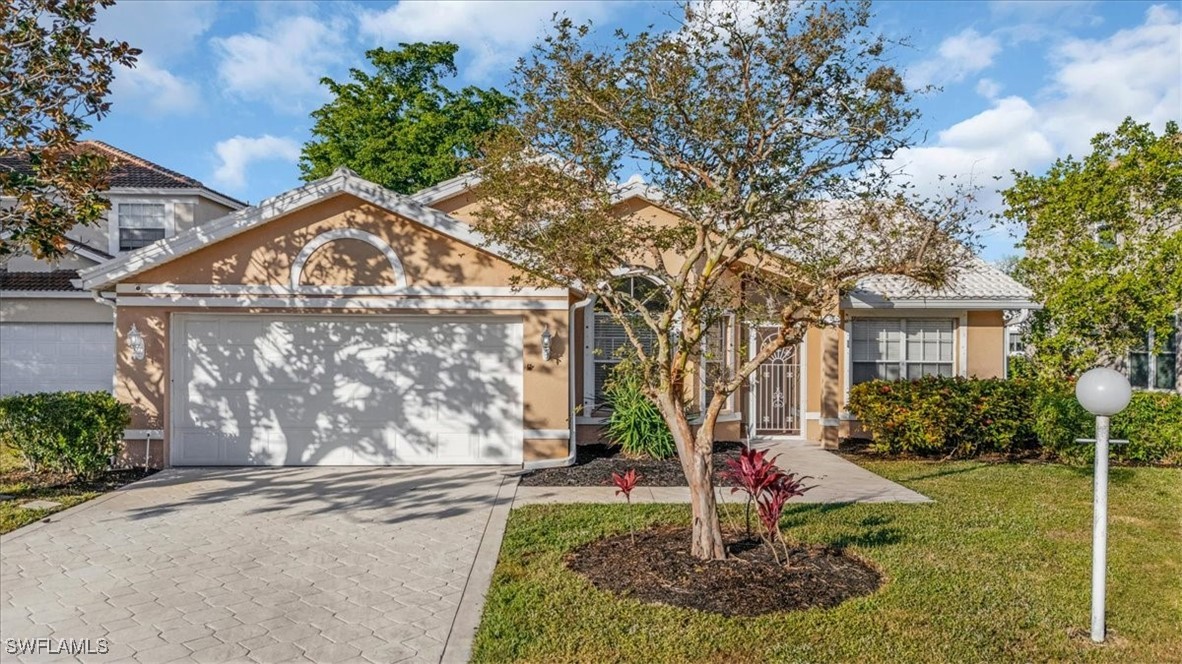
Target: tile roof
(53, 280)
(127, 170)
(978, 280)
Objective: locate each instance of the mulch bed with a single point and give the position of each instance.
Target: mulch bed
(595, 463)
(660, 569)
(47, 483)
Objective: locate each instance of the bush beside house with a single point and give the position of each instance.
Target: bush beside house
(962, 417)
(73, 433)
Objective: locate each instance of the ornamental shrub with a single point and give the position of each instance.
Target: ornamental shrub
(75, 433)
(953, 417)
(1152, 423)
(963, 417)
(635, 423)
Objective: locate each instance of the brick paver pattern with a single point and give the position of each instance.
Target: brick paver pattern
(269, 565)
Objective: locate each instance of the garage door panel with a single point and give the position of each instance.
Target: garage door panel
(52, 357)
(339, 391)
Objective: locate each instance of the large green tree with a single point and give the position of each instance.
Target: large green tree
(54, 79)
(401, 126)
(1103, 242)
(764, 127)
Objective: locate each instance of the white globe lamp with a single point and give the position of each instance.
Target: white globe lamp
(1103, 392)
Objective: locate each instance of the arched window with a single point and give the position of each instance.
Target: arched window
(609, 341)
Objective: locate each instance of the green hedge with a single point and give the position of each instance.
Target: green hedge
(75, 433)
(963, 417)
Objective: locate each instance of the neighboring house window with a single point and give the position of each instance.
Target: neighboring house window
(1017, 341)
(717, 351)
(141, 224)
(1155, 371)
(891, 349)
(610, 343)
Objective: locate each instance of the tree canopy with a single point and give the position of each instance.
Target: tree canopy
(55, 79)
(1103, 242)
(761, 130)
(401, 126)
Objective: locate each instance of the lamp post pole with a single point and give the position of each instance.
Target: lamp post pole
(1103, 392)
(1100, 528)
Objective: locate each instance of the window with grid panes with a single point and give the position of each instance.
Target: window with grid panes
(610, 343)
(893, 349)
(141, 224)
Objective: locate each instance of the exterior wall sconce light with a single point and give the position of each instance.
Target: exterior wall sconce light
(546, 339)
(135, 341)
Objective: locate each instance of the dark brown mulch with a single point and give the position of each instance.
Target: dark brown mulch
(595, 463)
(659, 569)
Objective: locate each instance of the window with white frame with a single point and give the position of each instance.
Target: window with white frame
(717, 356)
(609, 339)
(1149, 370)
(141, 224)
(893, 348)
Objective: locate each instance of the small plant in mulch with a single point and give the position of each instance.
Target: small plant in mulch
(625, 484)
(770, 488)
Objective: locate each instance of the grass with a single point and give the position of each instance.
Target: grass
(998, 569)
(22, 485)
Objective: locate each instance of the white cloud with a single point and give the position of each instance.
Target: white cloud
(988, 88)
(1094, 85)
(283, 63)
(165, 32)
(154, 90)
(492, 34)
(239, 152)
(957, 57)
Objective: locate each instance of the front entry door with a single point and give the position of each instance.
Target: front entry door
(776, 388)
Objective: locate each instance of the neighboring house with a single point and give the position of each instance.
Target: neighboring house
(53, 334)
(341, 323)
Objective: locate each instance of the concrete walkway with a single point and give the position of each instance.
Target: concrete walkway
(265, 564)
(836, 480)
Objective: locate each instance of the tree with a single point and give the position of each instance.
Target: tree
(401, 127)
(56, 78)
(1103, 241)
(764, 127)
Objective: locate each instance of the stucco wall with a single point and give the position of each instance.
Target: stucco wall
(986, 345)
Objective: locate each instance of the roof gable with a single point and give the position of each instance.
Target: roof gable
(342, 181)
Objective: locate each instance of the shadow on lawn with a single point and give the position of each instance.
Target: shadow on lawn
(870, 532)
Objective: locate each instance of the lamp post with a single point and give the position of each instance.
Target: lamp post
(1102, 392)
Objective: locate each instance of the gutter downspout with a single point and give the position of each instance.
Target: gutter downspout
(570, 334)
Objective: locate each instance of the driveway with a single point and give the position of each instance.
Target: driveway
(271, 565)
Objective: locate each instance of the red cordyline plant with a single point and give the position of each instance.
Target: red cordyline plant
(769, 488)
(752, 472)
(625, 484)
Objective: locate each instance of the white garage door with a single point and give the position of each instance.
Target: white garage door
(51, 357)
(342, 390)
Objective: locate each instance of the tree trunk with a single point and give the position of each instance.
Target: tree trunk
(707, 532)
(697, 462)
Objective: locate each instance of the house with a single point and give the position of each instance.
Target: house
(341, 323)
(55, 335)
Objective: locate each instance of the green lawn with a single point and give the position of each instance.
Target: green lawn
(998, 569)
(22, 485)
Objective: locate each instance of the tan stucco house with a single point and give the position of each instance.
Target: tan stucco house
(341, 323)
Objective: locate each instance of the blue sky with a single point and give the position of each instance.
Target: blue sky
(223, 89)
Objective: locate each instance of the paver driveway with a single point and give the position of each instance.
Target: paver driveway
(294, 564)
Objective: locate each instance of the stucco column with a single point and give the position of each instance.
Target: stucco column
(831, 382)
